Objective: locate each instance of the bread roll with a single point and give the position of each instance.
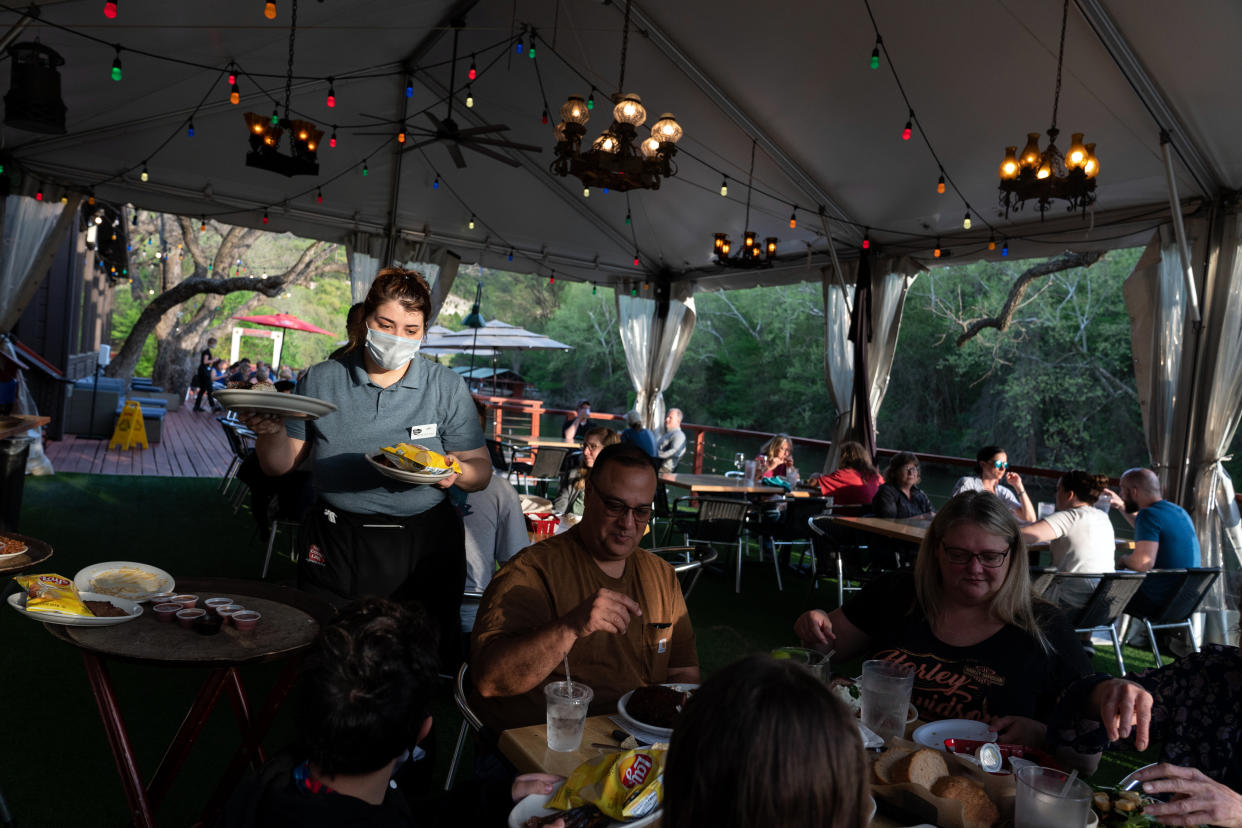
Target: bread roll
(882, 768)
(923, 767)
(977, 807)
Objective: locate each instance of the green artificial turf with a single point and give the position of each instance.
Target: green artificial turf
(57, 768)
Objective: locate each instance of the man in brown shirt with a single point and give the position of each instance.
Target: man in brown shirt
(617, 610)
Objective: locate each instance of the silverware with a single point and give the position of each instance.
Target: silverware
(603, 746)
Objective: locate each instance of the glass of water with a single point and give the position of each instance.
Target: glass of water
(1046, 801)
(886, 689)
(739, 460)
(567, 713)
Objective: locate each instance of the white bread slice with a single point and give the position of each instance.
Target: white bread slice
(977, 807)
(923, 767)
(882, 767)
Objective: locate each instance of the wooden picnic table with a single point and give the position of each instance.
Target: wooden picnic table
(543, 442)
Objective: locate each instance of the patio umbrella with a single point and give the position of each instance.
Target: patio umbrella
(285, 321)
(863, 428)
(501, 336)
(435, 344)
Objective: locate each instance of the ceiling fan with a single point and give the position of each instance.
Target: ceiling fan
(474, 138)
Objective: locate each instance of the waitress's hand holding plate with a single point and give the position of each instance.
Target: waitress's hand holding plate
(261, 423)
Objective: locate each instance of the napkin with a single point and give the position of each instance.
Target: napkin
(777, 481)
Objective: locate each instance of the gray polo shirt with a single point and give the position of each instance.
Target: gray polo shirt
(430, 399)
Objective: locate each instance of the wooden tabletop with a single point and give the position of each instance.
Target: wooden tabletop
(906, 529)
(719, 484)
(289, 625)
(537, 442)
(527, 747)
(17, 423)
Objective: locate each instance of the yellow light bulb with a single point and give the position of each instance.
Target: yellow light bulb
(1044, 171)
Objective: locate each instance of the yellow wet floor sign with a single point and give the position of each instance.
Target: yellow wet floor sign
(129, 431)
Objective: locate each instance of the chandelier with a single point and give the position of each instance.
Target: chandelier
(613, 161)
(752, 254)
(1048, 175)
(266, 133)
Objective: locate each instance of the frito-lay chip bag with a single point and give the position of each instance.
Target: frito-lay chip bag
(622, 785)
(52, 593)
(416, 458)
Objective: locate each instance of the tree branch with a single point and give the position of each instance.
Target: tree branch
(1005, 317)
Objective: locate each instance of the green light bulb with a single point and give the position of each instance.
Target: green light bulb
(531, 51)
(875, 61)
(116, 71)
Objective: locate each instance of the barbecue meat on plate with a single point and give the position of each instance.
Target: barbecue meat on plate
(657, 705)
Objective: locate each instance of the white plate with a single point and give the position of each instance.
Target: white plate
(665, 733)
(85, 579)
(18, 602)
(532, 806)
(14, 554)
(273, 402)
(933, 734)
(425, 477)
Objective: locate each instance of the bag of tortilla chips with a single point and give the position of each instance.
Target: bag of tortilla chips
(622, 785)
(52, 593)
(415, 458)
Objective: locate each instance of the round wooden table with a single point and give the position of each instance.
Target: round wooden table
(290, 624)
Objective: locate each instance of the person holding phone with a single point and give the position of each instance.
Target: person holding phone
(992, 469)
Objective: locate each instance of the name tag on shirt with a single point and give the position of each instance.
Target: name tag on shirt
(422, 431)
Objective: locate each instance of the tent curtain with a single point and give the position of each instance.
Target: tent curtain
(654, 344)
(1215, 419)
(890, 283)
(1192, 411)
(363, 252)
(27, 224)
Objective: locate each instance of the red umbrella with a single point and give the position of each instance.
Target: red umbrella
(284, 320)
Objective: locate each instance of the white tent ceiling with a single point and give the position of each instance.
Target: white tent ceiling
(793, 76)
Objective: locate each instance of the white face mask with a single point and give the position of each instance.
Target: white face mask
(391, 352)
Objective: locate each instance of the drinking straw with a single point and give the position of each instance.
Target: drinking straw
(1069, 780)
(570, 684)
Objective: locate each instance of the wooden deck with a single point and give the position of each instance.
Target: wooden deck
(192, 445)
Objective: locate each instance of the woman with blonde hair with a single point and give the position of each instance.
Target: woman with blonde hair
(982, 646)
(790, 755)
(572, 496)
(775, 457)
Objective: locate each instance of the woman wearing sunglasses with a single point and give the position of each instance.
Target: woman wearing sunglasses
(992, 469)
(981, 646)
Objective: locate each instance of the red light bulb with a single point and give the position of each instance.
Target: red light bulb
(907, 132)
(110, 9)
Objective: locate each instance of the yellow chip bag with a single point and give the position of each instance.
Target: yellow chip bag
(52, 593)
(622, 785)
(416, 458)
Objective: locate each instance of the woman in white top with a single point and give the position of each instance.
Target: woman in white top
(991, 469)
(1081, 535)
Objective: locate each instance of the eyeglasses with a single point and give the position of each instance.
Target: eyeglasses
(616, 508)
(991, 559)
(999, 464)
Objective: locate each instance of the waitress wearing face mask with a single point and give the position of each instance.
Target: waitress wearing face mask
(368, 534)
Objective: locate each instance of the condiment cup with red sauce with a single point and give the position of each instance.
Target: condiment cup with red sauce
(166, 611)
(227, 611)
(213, 604)
(246, 619)
(187, 601)
(187, 617)
(207, 624)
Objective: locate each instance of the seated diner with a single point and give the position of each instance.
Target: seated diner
(982, 647)
(856, 480)
(991, 469)
(1081, 536)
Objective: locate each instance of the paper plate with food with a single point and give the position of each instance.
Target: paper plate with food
(271, 401)
(124, 579)
(611, 789)
(10, 547)
(54, 599)
(412, 463)
(655, 708)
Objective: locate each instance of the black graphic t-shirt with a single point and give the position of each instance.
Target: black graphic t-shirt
(1008, 674)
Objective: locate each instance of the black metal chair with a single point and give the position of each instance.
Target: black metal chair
(545, 469)
(718, 520)
(1192, 588)
(829, 543)
(1105, 606)
(792, 528)
(1041, 579)
(469, 720)
(688, 563)
(237, 444)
